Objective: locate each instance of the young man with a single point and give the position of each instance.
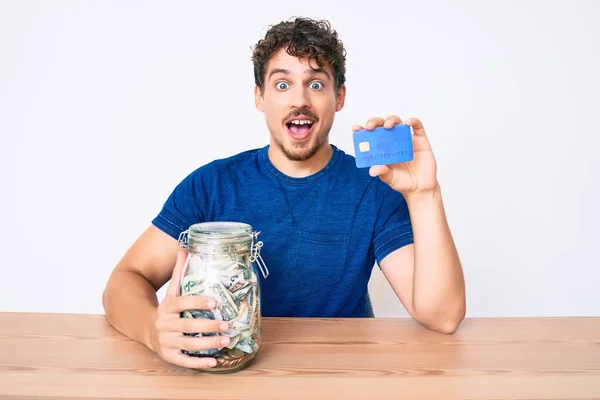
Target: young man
(323, 221)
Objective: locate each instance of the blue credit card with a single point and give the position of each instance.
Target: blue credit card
(383, 146)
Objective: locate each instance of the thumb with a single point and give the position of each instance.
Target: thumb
(384, 172)
(173, 289)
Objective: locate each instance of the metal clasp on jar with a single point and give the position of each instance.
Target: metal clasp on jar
(183, 239)
(255, 254)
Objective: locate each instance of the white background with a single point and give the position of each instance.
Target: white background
(105, 106)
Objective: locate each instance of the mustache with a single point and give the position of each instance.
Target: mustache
(306, 113)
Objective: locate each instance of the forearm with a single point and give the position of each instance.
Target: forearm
(130, 303)
(438, 281)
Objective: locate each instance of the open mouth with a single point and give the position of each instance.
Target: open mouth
(299, 129)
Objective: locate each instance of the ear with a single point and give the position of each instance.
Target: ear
(258, 99)
(341, 98)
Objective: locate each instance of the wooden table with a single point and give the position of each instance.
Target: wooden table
(54, 356)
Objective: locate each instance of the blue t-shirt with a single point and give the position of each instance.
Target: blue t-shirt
(322, 234)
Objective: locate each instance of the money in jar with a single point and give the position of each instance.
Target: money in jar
(223, 263)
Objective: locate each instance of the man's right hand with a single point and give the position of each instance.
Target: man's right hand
(168, 339)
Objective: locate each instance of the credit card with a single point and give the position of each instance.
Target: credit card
(383, 146)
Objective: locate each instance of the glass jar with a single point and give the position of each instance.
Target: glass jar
(221, 264)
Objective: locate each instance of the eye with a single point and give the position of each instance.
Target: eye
(316, 85)
(281, 85)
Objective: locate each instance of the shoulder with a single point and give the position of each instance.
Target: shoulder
(369, 188)
(245, 157)
(349, 169)
(220, 165)
(360, 177)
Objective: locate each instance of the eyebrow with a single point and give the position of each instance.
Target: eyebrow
(309, 71)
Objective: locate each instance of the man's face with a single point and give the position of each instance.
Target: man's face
(299, 103)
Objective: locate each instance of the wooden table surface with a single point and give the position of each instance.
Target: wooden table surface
(57, 356)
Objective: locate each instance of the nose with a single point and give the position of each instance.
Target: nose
(300, 98)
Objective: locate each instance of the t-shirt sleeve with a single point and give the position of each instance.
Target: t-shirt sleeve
(186, 204)
(393, 228)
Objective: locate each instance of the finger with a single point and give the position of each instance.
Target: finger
(392, 120)
(191, 302)
(185, 361)
(417, 126)
(192, 325)
(357, 128)
(377, 170)
(374, 122)
(173, 288)
(191, 343)
(383, 171)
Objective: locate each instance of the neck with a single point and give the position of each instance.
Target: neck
(300, 169)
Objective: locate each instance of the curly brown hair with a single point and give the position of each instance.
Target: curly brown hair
(301, 37)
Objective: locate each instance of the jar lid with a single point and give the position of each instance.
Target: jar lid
(219, 230)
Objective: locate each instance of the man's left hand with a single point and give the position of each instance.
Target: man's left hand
(418, 176)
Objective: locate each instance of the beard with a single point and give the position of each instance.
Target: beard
(301, 151)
